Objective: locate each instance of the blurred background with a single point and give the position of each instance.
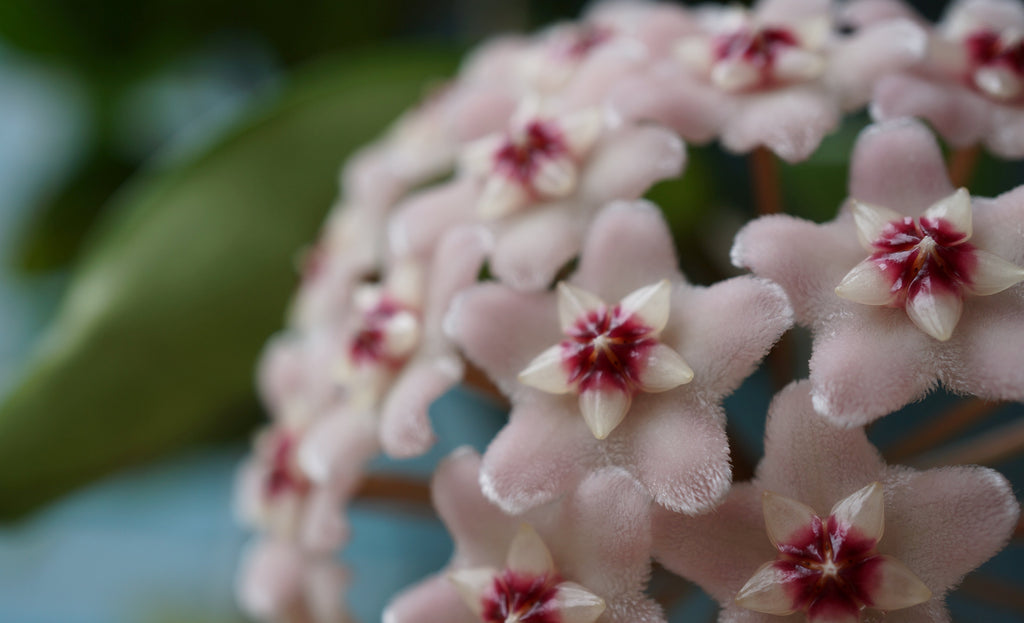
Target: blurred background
(162, 165)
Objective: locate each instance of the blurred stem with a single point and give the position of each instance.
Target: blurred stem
(941, 429)
(395, 488)
(962, 163)
(478, 380)
(989, 449)
(764, 175)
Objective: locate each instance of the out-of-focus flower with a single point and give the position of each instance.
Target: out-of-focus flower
(545, 179)
(971, 86)
(869, 360)
(778, 76)
(672, 441)
(278, 582)
(893, 535)
(584, 558)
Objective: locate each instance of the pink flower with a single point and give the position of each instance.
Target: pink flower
(394, 360)
(777, 76)
(275, 496)
(585, 558)
(911, 285)
(895, 539)
(971, 88)
(277, 582)
(661, 329)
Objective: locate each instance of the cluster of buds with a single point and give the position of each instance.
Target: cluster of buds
(615, 365)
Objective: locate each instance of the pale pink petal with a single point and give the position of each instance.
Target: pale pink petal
(629, 246)
(801, 257)
(864, 510)
(858, 63)
(850, 391)
(866, 284)
(898, 164)
(719, 550)
(269, 579)
(326, 582)
(785, 11)
(419, 222)
(478, 322)
(864, 12)
(790, 122)
(528, 554)
(766, 591)
(544, 451)
(405, 429)
(664, 369)
(960, 116)
(898, 587)
(935, 310)
(672, 98)
(531, 246)
(335, 449)
(944, 522)
(325, 527)
(1006, 134)
(603, 409)
(606, 546)
(455, 267)
(678, 450)
(434, 600)
(808, 459)
(725, 330)
(629, 161)
(989, 343)
(481, 531)
(785, 518)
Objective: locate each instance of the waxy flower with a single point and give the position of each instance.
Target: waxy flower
(275, 496)
(778, 76)
(917, 253)
(537, 190)
(396, 360)
(971, 86)
(610, 354)
(279, 583)
(926, 265)
(537, 159)
(895, 540)
(672, 441)
(830, 568)
(584, 558)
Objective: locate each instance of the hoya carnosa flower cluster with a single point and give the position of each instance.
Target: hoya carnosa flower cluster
(615, 364)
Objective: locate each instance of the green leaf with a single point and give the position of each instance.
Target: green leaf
(155, 344)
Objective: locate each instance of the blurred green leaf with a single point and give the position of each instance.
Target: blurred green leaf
(54, 233)
(187, 275)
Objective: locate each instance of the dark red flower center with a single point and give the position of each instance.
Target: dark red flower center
(830, 567)
(582, 41)
(283, 476)
(521, 154)
(988, 48)
(369, 346)
(759, 47)
(521, 597)
(924, 254)
(607, 348)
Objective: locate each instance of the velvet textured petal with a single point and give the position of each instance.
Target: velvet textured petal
(899, 165)
(790, 122)
(678, 450)
(544, 451)
(628, 247)
(405, 429)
